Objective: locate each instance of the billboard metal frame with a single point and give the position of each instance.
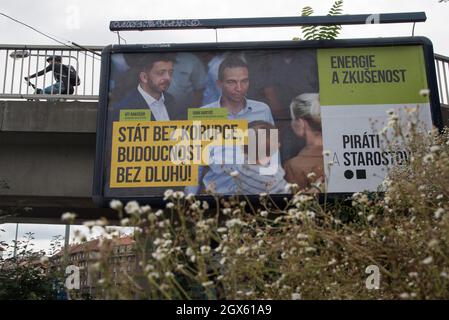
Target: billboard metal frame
(376, 18)
(97, 191)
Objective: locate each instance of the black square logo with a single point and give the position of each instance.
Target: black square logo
(360, 174)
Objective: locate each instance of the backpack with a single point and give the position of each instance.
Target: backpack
(74, 80)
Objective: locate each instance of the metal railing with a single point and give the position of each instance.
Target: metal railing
(20, 61)
(442, 68)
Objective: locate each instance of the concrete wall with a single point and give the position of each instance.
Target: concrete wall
(47, 152)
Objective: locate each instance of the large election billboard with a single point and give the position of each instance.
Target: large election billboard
(252, 118)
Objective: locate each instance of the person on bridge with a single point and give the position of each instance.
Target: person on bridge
(66, 77)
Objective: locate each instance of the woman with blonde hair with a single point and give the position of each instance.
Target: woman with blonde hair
(306, 124)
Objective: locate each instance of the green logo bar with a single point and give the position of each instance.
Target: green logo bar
(372, 75)
(207, 113)
(135, 115)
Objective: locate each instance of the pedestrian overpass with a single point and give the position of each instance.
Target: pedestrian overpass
(47, 142)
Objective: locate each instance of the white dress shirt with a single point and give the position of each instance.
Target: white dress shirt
(157, 107)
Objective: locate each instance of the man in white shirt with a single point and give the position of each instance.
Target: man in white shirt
(155, 78)
(234, 81)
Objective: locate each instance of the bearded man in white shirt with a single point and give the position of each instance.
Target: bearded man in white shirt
(155, 76)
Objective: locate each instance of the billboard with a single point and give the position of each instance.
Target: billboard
(252, 118)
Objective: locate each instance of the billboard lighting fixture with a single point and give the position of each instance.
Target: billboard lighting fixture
(359, 19)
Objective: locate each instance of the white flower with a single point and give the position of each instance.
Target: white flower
(310, 249)
(223, 261)
(249, 293)
(170, 205)
(168, 193)
(189, 252)
(205, 249)
(394, 118)
(424, 92)
(44, 260)
(166, 235)
(242, 250)
(263, 194)
(391, 123)
(311, 176)
(235, 222)
(169, 274)
(153, 275)
(202, 225)
(290, 186)
(124, 222)
(167, 243)
(404, 295)
(89, 224)
(205, 205)
(158, 241)
(190, 197)
(234, 173)
(427, 158)
(159, 213)
(222, 230)
(264, 213)
(158, 255)
(439, 197)
(116, 205)
(301, 199)
(101, 222)
(207, 284)
(68, 217)
(296, 296)
(413, 274)
(148, 268)
(370, 217)
(178, 195)
(332, 262)
(302, 236)
(434, 148)
(427, 260)
(180, 267)
(226, 211)
(132, 207)
(438, 213)
(145, 209)
(310, 214)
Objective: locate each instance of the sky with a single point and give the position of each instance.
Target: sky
(86, 22)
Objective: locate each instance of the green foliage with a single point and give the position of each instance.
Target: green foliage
(322, 32)
(28, 275)
(304, 249)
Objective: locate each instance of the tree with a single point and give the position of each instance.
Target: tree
(28, 276)
(322, 32)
